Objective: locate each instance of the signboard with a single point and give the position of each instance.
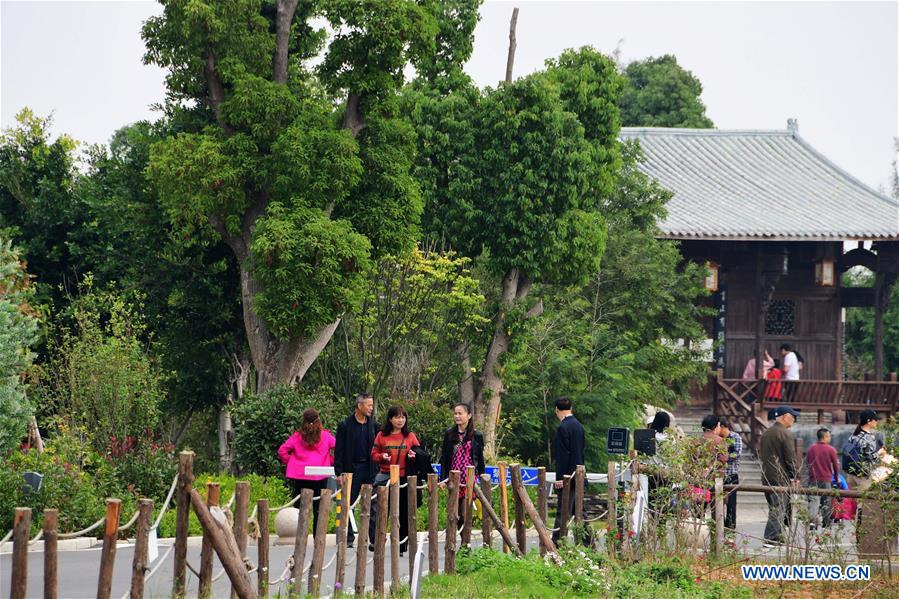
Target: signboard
(719, 328)
(619, 441)
(528, 474)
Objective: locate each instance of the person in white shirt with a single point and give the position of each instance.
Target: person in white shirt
(790, 362)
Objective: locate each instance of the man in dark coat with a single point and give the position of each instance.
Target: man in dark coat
(568, 447)
(778, 458)
(352, 452)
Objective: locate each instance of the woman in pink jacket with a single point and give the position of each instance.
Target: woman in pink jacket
(309, 446)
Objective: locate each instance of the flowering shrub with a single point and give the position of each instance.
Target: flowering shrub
(143, 466)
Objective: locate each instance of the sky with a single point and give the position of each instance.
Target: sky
(832, 65)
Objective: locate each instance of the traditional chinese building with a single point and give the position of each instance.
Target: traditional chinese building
(778, 224)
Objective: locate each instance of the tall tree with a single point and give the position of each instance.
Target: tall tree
(658, 92)
(515, 178)
(304, 195)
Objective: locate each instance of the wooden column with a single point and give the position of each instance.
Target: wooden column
(362, 539)
(19, 575)
(343, 521)
(182, 521)
(412, 524)
(262, 564)
(141, 539)
(206, 550)
(433, 508)
(50, 557)
(452, 523)
(107, 554)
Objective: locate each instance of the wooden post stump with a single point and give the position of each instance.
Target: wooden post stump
(343, 520)
(107, 554)
(486, 528)
(50, 558)
(212, 499)
(503, 497)
(318, 543)
(141, 538)
(470, 477)
(394, 495)
(452, 523)
(19, 575)
(433, 498)
(542, 500)
(521, 531)
(362, 540)
(580, 478)
(564, 506)
(412, 524)
(241, 505)
(380, 541)
(182, 521)
(262, 565)
(302, 537)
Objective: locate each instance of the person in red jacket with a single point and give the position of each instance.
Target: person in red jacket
(823, 472)
(773, 386)
(394, 445)
(311, 445)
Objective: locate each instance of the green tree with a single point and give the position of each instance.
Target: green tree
(658, 92)
(18, 331)
(514, 177)
(304, 195)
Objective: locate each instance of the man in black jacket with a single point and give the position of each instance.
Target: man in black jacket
(568, 447)
(352, 452)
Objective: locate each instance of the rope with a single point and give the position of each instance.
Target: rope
(230, 503)
(37, 537)
(215, 578)
(7, 537)
(165, 504)
(71, 535)
(282, 577)
(128, 524)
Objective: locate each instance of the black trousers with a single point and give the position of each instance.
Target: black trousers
(297, 486)
(361, 476)
(730, 511)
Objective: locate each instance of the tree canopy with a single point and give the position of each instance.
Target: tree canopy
(660, 93)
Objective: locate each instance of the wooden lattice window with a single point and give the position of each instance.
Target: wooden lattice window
(781, 318)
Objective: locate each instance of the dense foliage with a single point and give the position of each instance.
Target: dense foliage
(660, 93)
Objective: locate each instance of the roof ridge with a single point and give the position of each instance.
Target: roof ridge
(679, 131)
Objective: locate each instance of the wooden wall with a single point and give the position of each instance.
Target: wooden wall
(817, 332)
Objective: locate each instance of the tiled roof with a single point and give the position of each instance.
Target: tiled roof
(757, 185)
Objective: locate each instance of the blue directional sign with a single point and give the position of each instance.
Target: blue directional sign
(528, 475)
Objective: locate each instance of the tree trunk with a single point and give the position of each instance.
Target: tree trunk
(277, 361)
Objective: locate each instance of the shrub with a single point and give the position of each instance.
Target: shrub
(142, 466)
(263, 422)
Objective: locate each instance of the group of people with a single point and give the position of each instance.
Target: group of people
(774, 371)
(367, 450)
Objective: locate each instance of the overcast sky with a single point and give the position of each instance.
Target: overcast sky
(832, 65)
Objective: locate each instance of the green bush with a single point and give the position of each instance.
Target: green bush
(142, 466)
(263, 422)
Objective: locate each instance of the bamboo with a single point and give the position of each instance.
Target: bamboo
(362, 538)
(433, 560)
(182, 522)
(50, 557)
(343, 520)
(19, 575)
(380, 541)
(452, 523)
(212, 499)
(141, 538)
(225, 546)
(262, 565)
(318, 543)
(301, 538)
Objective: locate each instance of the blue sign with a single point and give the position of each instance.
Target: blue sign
(528, 475)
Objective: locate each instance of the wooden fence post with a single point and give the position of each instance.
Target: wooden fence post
(141, 538)
(318, 543)
(394, 493)
(241, 504)
(182, 521)
(412, 524)
(521, 493)
(362, 539)
(433, 498)
(542, 501)
(719, 516)
(302, 537)
(503, 531)
(19, 575)
(612, 512)
(486, 529)
(564, 506)
(580, 478)
(212, 499)
(452, 523)
(503, 497)
(107, 554)
(380, 540)
(50, 558)
(343, 521)
(216, 526)
(468, 505)
(521, 531)
(262, 548)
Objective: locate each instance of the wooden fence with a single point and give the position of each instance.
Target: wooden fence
(229, 541)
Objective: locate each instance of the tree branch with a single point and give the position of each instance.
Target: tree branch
(283, 23)
(510, 60)
(216, 90)
(352, 118)
(535, 310)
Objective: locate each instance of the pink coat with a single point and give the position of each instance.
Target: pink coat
(297, 455)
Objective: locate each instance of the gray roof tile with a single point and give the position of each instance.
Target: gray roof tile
(759, 185)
